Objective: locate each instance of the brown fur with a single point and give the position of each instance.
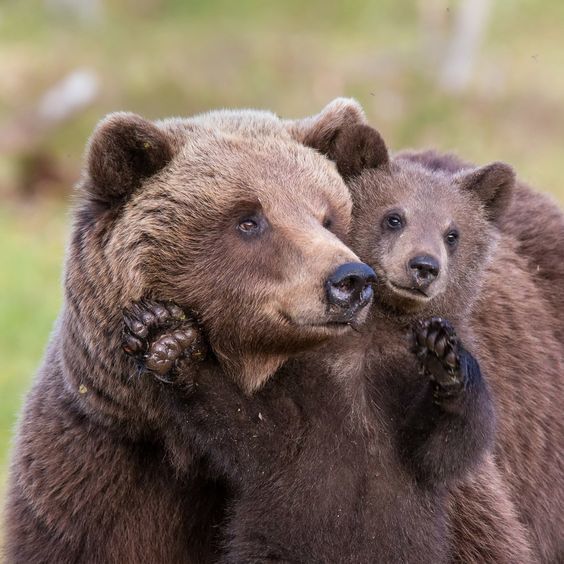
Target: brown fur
(484, 524)
(356, 439)
(91, 477)
(525, 521)
(350, 430)
(343, 456)
(533, 220)
(531, 458)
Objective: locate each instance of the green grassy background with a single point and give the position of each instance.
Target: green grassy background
(161, 58)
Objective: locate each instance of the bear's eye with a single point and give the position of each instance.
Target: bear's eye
(248, 225)
(327, 223)
(452, 238)
(252, 225)
(393, 221)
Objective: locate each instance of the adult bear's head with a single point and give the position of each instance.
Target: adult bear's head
(227, 215)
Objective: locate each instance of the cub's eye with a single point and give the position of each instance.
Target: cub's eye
(248, 226)
(327, 223)
(452, 238)
(393, 221)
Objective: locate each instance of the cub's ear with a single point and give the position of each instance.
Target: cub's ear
(341, 133)
(493, 184)
(123, 150)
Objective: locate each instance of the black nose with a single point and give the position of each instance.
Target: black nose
(424, 269)
(349, 287)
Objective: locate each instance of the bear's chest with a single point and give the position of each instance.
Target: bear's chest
(341, 497)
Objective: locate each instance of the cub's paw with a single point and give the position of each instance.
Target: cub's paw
(439, 352)
(161, 337)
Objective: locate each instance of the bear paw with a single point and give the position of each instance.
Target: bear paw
(161, 337)
(439, 352)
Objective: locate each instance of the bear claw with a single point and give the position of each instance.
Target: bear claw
(438, 349)
(160, 336)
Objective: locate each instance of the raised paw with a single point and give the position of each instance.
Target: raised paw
(438, 349)
(161, 337)
(143, 318)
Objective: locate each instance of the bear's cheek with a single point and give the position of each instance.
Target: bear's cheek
(271, 276)
(466, 269)
(232, 282)
(391, 255)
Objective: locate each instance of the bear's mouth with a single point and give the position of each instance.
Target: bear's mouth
(408, 292)
(327, 325)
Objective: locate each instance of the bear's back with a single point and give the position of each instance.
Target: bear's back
(523, 361)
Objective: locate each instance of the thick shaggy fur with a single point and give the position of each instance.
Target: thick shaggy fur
(346, 455)
(145, 470)
(525, 306)
(92, 475)
(534, 221)
(319, 475)
(376, 499)
(502, 511)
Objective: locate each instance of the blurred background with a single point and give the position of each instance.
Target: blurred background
(484, 78)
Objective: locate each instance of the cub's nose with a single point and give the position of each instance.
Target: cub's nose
(424, 270)
(349, 287)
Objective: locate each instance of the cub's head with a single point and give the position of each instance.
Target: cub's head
(428, 234)
(228, 217)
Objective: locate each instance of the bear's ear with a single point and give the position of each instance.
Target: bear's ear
(318, 131)
(341, 133)
(356, 148)
(123, 150)
(493, 184)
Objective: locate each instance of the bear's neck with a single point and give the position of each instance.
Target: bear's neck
(106, 382)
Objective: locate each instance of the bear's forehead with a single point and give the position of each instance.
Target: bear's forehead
(267, 166)
(424, 196)
(242, 123)
(439, 196)
(220, 170)
(246, 142)
(245, 122)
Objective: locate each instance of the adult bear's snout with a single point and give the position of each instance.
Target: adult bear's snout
(350, 286)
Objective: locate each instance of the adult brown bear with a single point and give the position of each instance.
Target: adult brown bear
(224, 213)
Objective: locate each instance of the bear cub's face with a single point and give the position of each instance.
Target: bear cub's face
(246, 231)
(428, 235)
